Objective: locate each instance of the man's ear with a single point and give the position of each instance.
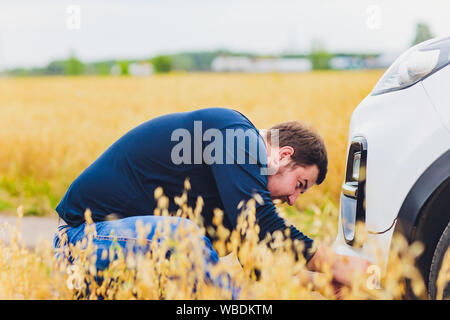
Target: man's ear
(285, 153)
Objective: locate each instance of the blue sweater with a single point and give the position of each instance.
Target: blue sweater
(123, 179)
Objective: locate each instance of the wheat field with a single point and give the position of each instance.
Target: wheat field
(54, 127)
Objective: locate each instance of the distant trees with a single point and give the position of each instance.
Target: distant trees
(184, 61)
(73, 66)
(102, 68)
(422, 33)
(56, 67)
(162, 64)
(319, 57)
(123, 65)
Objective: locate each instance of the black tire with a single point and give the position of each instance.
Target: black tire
(438, 257)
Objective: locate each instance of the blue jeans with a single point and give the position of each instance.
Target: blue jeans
(123, 232)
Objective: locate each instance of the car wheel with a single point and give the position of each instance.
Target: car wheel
(436, 263)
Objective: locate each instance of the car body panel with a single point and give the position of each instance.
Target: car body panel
(405, 134)
(437, 87)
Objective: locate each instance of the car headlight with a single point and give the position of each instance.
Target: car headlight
(414, 65)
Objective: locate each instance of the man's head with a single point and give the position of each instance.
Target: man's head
(300, 159)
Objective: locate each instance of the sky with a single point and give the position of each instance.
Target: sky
(33, 33)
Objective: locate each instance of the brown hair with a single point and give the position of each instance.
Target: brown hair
(309, 146)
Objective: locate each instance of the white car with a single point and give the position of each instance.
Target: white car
(398, 166)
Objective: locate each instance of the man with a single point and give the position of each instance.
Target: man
(226, 160)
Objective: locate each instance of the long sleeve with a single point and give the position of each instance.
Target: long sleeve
(240, 181)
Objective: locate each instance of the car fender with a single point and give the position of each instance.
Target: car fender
(430, 180)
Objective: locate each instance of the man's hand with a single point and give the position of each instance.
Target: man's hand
(345, 269)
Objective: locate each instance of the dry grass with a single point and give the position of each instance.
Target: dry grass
(40, 275)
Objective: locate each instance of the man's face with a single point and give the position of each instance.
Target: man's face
(290, 180)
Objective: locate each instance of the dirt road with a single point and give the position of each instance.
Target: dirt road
(31, 228)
